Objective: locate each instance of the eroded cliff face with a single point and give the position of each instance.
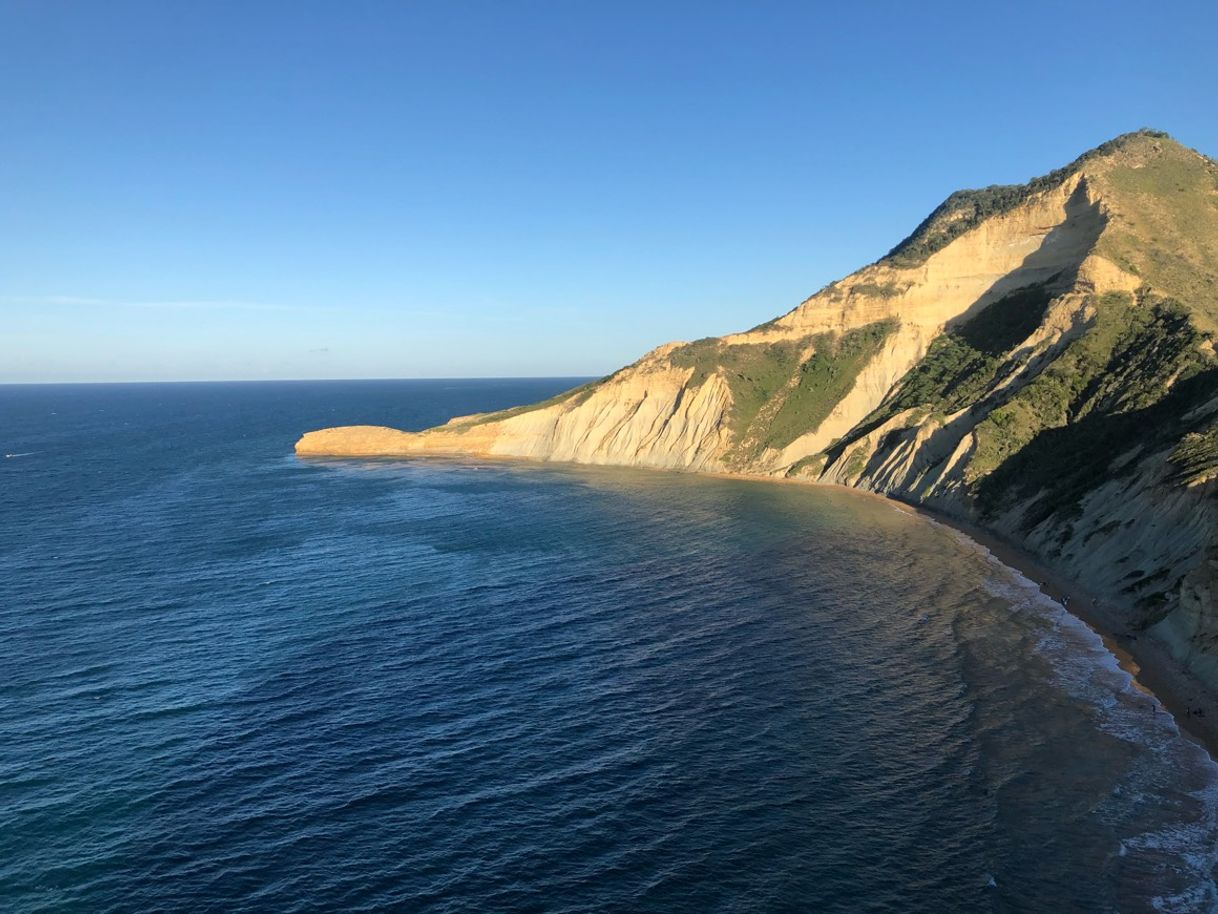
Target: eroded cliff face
(646, 415)
(1083, 425)
(1036, 359)
(708, 405)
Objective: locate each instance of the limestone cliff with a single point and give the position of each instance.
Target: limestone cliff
(1035, 358)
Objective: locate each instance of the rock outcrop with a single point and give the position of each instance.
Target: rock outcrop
(1036, 359)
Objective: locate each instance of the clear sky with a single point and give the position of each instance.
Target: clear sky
(297, 189)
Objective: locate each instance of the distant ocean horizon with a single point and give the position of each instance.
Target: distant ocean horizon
(236, 681)
(547, 381)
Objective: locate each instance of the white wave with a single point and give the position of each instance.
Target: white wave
(1172, 771)
(1174, 767)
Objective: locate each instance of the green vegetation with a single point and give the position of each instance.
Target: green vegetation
(807, 466)
(856, 462)
(962, 364)
(1165, 228)
(1195, 458)
(576, 394)
(824, 379)
(1130, 384)
(960, 212)
(755, 372)
(777, 394)
(966, 208)
(1057, 393)
(1006, 323)
(951, 376)
(1124, 386)
(877, 290)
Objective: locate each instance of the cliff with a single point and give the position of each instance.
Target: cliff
(1037, 359)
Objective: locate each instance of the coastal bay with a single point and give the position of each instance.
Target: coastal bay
(403, 666)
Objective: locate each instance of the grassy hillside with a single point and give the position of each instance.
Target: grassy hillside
(1164, 227)
(1127, 384)
(1131, 391)
(1132, 381)
(781, 390)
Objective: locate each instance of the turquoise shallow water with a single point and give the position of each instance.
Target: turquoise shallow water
(235, 681)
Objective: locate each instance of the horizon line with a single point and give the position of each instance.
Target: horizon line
(554, 377)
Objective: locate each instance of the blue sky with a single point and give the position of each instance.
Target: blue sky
(198, 190)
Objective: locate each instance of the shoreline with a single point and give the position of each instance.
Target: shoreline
(1154, 670)
(1147, 660)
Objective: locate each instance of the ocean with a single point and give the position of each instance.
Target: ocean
(236, 681)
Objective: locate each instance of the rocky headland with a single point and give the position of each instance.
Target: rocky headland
(1034, 360)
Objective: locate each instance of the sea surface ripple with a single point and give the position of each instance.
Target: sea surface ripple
(234, 681)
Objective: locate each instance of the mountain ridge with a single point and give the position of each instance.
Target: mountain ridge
(1037, 359)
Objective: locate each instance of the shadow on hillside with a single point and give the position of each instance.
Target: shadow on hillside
(1056, 259)
(1054, 264)
(1063, 464)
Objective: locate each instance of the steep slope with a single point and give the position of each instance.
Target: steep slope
(1036, 358)
(1092, 440)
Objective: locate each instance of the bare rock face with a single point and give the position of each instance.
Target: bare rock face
(1191, 630)
(1037, 359)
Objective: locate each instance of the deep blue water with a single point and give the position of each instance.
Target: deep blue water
(236, 681)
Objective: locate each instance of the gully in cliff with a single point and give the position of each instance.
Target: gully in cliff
(1035, 360)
